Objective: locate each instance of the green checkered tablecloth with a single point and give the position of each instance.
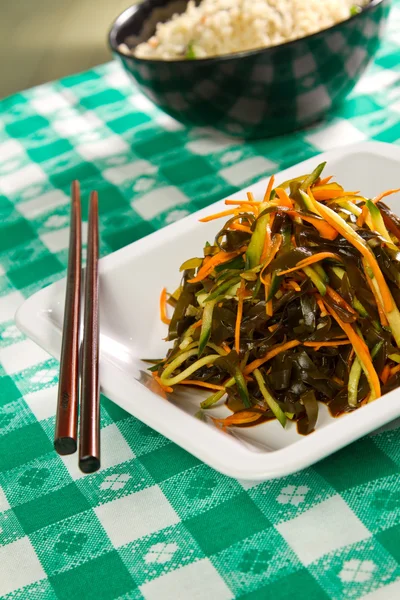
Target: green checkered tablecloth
(155, 523)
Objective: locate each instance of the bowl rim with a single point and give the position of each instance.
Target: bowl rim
(131, 10)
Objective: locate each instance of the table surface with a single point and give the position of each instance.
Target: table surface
(155, 522)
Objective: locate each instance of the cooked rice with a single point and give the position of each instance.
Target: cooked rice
(218, 27)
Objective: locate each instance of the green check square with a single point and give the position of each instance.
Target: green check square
(43, 153)
(35, 271)
(51, 508)
(25, 127)
(193, 167)
(15, 233)
(23, 445)
(81, 171)
(111, 199)
(123, 124)
(72, 80)
(105, 577)
(101, 99)
(221, 526)
(158, 144)
(9, 392)
(6, 208)
(126, 236)
(168, 461)
(114, 411)
(390, 540)
(300, 585)
(348, 467)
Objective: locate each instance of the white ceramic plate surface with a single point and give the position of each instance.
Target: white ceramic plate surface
(130, 284)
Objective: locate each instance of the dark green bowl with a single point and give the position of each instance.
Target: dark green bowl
(259, 93)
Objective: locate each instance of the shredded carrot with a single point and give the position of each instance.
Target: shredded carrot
(267, 286)
(384, 194)
(394, 370)
(364, 250)
(306, 262)
(325, 229)
(283, 198)
(321, 193)
(273, 328)
(276, 244)
(361, 219)
(270, 354)
(321, 307)
(205, 384)
(224, 213)
(240, 203)
(239, 418)
(339, 300)
(225, 347)
(239, 227)
(294, 285)
(361, 349)
(268, 191)
(166, 388)
(384, 376)
(337, 380)
(250, 197)
(321, 344)
(218, 259)
(326, 180)
(239, 316)
(198, 324)
(163, 307)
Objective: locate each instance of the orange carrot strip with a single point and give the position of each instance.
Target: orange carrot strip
(239, 316)
(325, 229)
(225, 347)
(276, 244)
(384, 194)
(334, 343)
(271, 354)
(394, 370)
(205, 384)
(326, 180)
(214, 261)
(163, 307)
(166, 388)
(240, 203)
(361, 349)
(284, 199)
(321, 307)
(273, 328)
(267, 195)
(198, 324)
(294, 285)
(361, 219)
(224, 213)
(311, 260)
(364, 250)
(384, 376)
(239, 227)
(339, 300)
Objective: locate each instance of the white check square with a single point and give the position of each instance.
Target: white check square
(327, 526)
(197, 581)
(9, 305)
(20, 356)
(15, 574)
(339, 133)
(158, 201)
(4, 505)
(247, 169)
(134, 516)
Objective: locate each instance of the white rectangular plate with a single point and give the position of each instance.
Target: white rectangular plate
(130, 284)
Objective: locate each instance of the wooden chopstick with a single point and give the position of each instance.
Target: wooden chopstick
(89, 441)
(65, 436)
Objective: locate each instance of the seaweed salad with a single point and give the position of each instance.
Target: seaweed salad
(295, 302)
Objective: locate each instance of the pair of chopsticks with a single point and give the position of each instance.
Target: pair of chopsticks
(65, 436)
